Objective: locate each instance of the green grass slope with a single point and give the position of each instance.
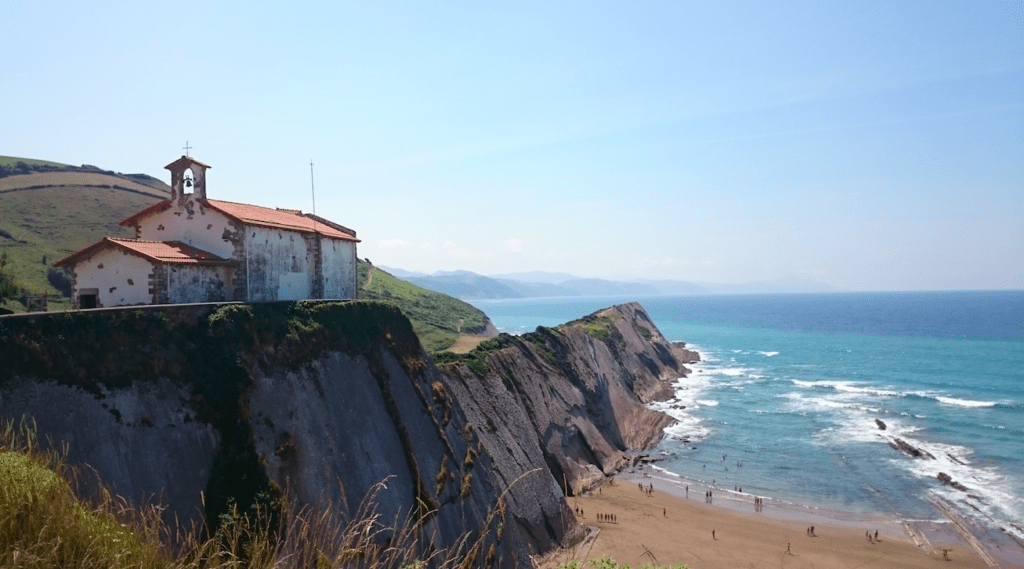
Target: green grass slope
(437, 318)
(13, 161)
(48, 211)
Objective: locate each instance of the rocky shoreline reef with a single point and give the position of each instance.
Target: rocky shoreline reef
(205, 408)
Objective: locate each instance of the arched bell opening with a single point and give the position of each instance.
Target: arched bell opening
(188, 182)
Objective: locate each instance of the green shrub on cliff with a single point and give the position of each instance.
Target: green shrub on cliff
(8, 288)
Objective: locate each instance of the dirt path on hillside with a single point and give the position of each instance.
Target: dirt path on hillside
(466, 343)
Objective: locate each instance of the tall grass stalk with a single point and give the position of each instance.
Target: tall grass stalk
(45, 523)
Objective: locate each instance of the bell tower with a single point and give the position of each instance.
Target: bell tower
(188, 176)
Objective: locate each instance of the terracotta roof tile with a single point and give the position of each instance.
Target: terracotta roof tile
(166, 252)
(170, 252)
(284, 219)
(253, 215)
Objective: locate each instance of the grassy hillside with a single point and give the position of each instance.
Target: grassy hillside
(436, 318)
(13, 161)
(49, 210)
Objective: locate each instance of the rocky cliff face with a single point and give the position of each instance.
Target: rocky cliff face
(323, 400)
(573, 395)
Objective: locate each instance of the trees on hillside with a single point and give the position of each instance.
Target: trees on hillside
(8, 289)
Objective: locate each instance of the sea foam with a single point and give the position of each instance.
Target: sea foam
(965, 402)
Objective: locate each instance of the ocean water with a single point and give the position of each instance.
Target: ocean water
(785, 401)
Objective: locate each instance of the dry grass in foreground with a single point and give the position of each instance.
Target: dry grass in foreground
(44, 524)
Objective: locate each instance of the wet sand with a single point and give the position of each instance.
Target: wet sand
(670, 530)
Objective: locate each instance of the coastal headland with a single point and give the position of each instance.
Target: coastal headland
(204, 408)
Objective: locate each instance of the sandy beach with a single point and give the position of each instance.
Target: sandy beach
(668, 529)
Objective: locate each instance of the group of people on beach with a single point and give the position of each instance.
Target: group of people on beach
(875, 539)
(708, 496)
(758, 504)
(608, 518)
(810, 532)
(649, 490)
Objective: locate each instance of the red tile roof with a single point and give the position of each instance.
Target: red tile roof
(165, 252)
(283, 219)
(254, 215)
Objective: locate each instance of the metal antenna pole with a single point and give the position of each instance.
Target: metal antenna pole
(312, 189)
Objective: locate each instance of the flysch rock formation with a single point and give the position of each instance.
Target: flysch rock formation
(578, 390)
(204, 406)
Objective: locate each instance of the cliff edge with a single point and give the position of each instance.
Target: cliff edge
(319, 401)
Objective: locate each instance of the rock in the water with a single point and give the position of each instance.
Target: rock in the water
(881, 425)
(909, 450)
(685, 356)
(948, 481)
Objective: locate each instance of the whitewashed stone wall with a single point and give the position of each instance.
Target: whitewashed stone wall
(279, 265)
(192, 224)
(339, 268)
(119, 279)
(196, 283)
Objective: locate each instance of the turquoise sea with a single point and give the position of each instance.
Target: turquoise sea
(785, 400)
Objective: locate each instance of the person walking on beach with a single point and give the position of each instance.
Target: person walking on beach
(787, 549)
(713, 535)
(876, 535)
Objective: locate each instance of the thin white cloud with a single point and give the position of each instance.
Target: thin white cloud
(514, 245)
(390, 244)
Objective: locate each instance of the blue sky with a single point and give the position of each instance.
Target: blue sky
(872, 145)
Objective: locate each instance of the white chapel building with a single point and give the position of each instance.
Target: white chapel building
(193, 249)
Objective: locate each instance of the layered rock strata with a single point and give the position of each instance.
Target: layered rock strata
(321, 401)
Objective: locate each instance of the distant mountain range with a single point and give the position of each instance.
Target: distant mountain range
(467, 285)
